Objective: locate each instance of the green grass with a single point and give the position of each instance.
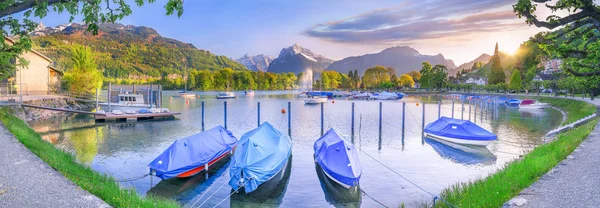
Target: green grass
(103, 186)
(502, 186)
(576, 109)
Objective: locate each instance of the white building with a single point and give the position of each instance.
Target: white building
(478, 81)
(552, 66)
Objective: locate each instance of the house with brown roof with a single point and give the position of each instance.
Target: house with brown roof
(39, 77)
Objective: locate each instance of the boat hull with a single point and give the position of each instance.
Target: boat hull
(270, 186)
(335, 192)
(121, 107)
(532, 106)
(199, 169)
(459, 140)
(225, 97)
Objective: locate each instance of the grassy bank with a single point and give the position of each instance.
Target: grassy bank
(105, 187)
(498, 188)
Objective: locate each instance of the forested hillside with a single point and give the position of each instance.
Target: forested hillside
(128, 51)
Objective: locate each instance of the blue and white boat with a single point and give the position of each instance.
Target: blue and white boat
(189, 156)
(260, 158)
(338, 159)
(400, 95)
(512, 102)
(459, 131)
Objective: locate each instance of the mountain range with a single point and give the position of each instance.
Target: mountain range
(297, 59)
(256, 63)
(402, 58)
(484, 58)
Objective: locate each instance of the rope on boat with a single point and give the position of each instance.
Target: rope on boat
(378, 202)
(208, 189)
(134, 178)
(233, 192)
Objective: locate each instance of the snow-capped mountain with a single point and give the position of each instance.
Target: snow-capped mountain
(297, 59)
(256, 63)
(402, 58)
(42, 30)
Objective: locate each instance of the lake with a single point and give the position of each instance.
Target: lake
(124, 149)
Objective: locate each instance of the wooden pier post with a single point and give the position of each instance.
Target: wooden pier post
(469, 110)
(322, 119)
(258, 114)
(403, 119)
(290, 119)
(225, 113)
(439, 109)
(202, 115)
(462, 110)
(380, 109)
(97, 90)
(109, 96)
(352, 124)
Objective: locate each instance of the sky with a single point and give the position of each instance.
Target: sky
(461, 30)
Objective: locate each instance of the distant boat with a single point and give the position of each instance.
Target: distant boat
(249, 93)
(117, 112)
(338, 159)
(260, 158)
(315, 100)
(387, 96)
(532, 104)
(225, 95)
(189, 156)
(400, 95)
(459, 131)
(185, 94)
(127, 101)
(364, 95)
(512, 102)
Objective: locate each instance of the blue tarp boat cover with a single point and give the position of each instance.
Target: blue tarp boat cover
(459, 129)
(191, 152)
(338, 158)
(260, 155)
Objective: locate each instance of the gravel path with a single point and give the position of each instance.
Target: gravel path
(27, 181)
(575, 182)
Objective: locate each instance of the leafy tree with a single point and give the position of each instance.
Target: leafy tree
(376, 75)
(406, 81)
(497, 72)
(515, 81)
(93, 12)
(439, 76)
(536, 86)
(426, 75)
(84, 77)
(415, 75)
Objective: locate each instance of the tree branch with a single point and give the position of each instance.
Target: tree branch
(583, 74)
(592, 39)
(561, 21)
(19, 7)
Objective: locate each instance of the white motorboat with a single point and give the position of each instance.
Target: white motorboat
(130, 112)
(249, 93)
(127, 102)
(225, 95)
(364, 95)
(117, 112)
(315, 100)
(387, 96)
(186, 94)
(532, 104)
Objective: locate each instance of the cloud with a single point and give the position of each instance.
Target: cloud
(418, 20)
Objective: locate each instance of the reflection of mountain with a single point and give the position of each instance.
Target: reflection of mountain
(336, 194)
(268, 194)
(468, 155)
(181, 188)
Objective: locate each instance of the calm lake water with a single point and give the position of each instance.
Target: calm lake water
(123, 150)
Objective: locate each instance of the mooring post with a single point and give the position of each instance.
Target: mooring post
(290, 119)
(202, 115)
(469, 110)
(109, 96)
(258, 114)
(322, 119)
(151, 95)
(462, 110)
(452, 108)
(352, 124)
(439, 109)
(403, 119)
(475, 112)
(97, 90)
(423, 118)
(225, 111)
(380, 109)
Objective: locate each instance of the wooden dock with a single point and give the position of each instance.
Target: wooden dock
(136, 116)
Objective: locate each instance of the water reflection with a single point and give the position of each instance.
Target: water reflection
(337, 195)
(468, 155)
(268, 194)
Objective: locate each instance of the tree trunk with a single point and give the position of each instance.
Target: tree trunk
(592, 94)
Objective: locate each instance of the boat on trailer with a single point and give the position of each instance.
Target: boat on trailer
(459, 131)
(532, 104)
(191, 155)
(338, 160)
(261, 158)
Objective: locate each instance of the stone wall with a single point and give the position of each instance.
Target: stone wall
(29, 114)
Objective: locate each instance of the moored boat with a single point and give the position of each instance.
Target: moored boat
(127, 101)
(189, 156)
(459, 131)
(225, 95)
(464, 154)
(186, 94)
(387, 96)
(249, 93)
(261, 157)
(338, 159)
(315, 100)
(512, 102)
(532, 104)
